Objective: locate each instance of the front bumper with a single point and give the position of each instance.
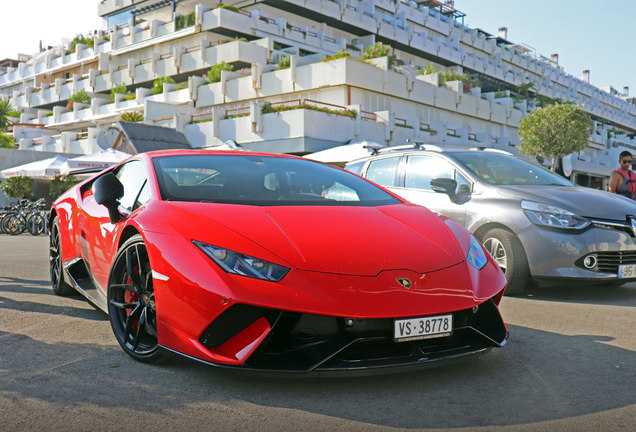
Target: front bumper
(300, 342)
(559, 255)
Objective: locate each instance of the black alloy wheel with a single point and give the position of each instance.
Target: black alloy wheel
(131, 302)
(60, 287)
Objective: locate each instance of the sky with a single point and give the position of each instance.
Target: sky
(587, 34)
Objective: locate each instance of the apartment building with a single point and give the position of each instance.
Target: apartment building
(292, 88)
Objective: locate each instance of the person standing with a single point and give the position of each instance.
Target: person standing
(623, 180)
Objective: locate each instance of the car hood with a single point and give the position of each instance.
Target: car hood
(580, 200)
(330, 239)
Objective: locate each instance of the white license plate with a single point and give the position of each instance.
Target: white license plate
(627, 271)
(422, 328)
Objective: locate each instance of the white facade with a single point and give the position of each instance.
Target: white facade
(391, 105)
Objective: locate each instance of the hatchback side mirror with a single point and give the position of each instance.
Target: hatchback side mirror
(107, 191)
(446, 186)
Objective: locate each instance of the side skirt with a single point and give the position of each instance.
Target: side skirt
(77, 274)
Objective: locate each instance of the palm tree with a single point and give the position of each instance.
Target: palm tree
(5, 109)
(524, 89)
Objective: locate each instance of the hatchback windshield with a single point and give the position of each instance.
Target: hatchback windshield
(500, 169)
(262, 180)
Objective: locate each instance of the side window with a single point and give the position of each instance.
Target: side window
(355, 168)
(133, 176)
(383, 171)
(421, 169)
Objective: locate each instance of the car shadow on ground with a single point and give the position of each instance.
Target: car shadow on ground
(537, 376)
(9, 285)
(598, 294)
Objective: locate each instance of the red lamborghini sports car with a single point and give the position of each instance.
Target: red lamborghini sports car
(271, 262)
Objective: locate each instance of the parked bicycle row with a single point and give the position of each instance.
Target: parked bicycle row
(28, 216)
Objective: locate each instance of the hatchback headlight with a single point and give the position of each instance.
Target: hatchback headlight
(553, 217)
(476, 255)
(244, 265)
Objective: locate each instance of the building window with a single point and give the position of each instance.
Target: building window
(120, 18)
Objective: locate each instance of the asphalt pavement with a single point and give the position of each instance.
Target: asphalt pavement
(570, 365)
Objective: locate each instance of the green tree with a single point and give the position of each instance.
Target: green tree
(6, 141)
(61, 184)
(17, 187)
(555, 131)
(5, 110)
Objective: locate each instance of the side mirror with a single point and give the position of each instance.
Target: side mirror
(107, 191)
(446, 186)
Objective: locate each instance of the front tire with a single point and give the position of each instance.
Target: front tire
(131, 302)
(506, 249)
(60, 287)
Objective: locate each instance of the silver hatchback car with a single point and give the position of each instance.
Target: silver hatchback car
(536, 224)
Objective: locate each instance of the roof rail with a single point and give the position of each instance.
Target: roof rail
(416, 145)
(492, 150)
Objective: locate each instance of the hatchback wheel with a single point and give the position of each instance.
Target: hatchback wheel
(508, 252)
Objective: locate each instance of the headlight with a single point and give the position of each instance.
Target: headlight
(476, 255)
(553, 217)
(244, 265)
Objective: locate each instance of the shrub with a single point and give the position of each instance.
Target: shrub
(228, 7)
(378, 50)
(80, 96)
(284, 62)
(184, 21)
(467, 82)
(338, 55)
(214, 74)
(61, 184)
(119, 89)
(268, 108)
(427, 70)
(157, 85)
(132, 116)
(17, 187)
(79, 39)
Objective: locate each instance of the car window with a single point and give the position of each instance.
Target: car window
(132, 176)
(262, 180)
(421, 169)
(501, 169)
(383, 171)
(355, 167)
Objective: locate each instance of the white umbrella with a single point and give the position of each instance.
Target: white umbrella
(101, 159)
(347, 152)
(44, 168)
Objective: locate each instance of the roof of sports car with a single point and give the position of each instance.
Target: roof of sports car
(140, 138)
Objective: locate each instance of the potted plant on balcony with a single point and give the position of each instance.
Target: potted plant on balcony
(78, 97)
(379, 50)
(214, 73)
(157, 85)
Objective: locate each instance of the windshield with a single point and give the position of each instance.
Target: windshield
(501, 169)
(262, 180)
